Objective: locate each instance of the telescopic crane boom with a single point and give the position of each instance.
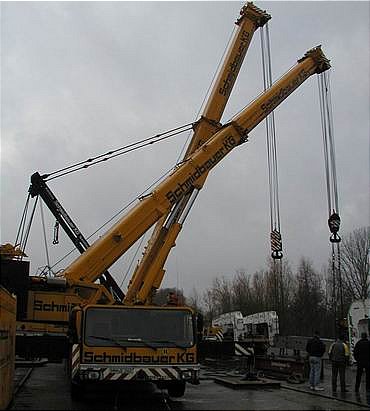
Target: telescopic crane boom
(150, 269)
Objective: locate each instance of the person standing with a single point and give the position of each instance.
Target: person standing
(361, 354)
(339, 357)
(315, 348)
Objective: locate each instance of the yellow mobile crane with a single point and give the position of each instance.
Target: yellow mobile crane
(128, 343)
(46, 301)
(112, 342)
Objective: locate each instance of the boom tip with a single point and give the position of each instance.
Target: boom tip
(322, 62)
(257, 15)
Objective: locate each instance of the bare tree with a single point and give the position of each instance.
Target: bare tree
(308, 302)
(259, 292)
(194, 300)
(222, 295)
(241, 292)
(355, 263)
(210, 309)
(282, 290)
(335, 307)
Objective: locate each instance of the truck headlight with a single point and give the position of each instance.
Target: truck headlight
(186, 374)
(91, 375)
(94, 375)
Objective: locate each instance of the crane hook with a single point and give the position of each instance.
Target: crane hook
(56, 233)
(276, 245)
(334, 224)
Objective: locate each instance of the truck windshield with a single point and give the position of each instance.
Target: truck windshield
(130, 327)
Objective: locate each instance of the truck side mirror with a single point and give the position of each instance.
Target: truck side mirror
(199, 325)
(73, 335)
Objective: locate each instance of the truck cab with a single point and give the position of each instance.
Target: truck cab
(128, 344)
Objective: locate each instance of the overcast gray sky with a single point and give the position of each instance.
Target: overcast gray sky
(81, 78)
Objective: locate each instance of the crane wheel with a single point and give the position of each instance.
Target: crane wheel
(76, 390)
(176, 389)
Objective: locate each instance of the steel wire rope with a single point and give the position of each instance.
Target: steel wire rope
(22, 223)
(329, 108)
(329, 156)
(340, 278)
(114, 153)
(328, 142)
(326, 113)
(337, 292)
(273, 177)
(334, 290)
(44, 232)
(272, 158)
(325, 142)
(27, 233)
(181, 128)
(267, 84)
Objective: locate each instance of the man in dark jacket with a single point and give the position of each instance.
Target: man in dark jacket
(361, 354)
(315, 348)
(339, 356)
